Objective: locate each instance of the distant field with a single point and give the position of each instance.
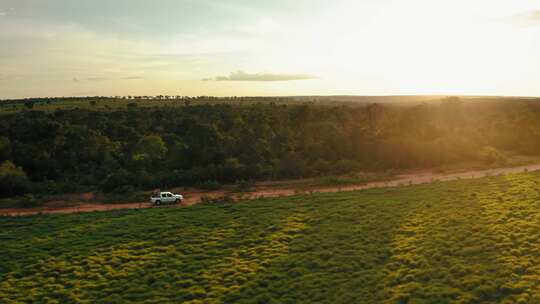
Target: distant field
(112, 103)
(473, 241)
(117, 103)
(99, 105)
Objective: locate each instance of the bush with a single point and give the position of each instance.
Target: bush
(346, 166)
(28, 201)
(491, 155)
(69, 187)
(13, 180)
(334, 180)
(124, 194)
(115, 180)
(132, 106)
(226, 199)
(210, 185)
(245, 185)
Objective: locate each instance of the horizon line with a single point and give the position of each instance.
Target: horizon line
(275, 96)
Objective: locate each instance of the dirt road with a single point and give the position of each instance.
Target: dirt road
(194, 197)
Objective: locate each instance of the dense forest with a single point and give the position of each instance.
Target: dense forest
(134, 147)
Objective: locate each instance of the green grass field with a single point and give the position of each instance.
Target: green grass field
(468, 241)
(112, 104)
(101, 105)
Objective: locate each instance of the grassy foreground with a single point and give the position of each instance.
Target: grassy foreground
(469, 241)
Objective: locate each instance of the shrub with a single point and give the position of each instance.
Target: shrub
(245, 185)
(132, 105)
(333, 180)
(151, 147)
(28, 201)
(210, 185)
(13, 180)
(5, 148)
(115, 180)
(491, 155)
(226, 199)
(345, 166)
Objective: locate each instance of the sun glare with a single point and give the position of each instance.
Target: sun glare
(346, 47)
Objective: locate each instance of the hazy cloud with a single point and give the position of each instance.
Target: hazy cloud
(243, 76)
(535, 15)
(96, 78)
(4, 13)
(77, 80)
(532, 17)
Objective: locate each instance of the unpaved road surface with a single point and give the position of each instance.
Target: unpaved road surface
(194, 197)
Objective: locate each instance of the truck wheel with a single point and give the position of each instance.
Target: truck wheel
(177, 201)
(157, 203)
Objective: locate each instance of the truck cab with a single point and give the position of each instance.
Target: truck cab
(163, 198)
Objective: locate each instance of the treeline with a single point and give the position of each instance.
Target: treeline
(80, 150)
(110, 100)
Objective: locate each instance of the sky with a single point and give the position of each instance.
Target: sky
(277, 47)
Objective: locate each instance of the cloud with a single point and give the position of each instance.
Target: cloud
(5, 13)
(527, 18)
(534, 15)
(243, 76)
(96, 78)
(77, 80)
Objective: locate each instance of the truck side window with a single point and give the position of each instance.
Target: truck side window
(163, 195)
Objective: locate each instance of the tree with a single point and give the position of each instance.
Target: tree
(5, 148)
(29, 103)
(150, 147)
(116, 180)
(132, 105)
(13, 180)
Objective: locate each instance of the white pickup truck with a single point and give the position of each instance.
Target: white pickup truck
(161, 198)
